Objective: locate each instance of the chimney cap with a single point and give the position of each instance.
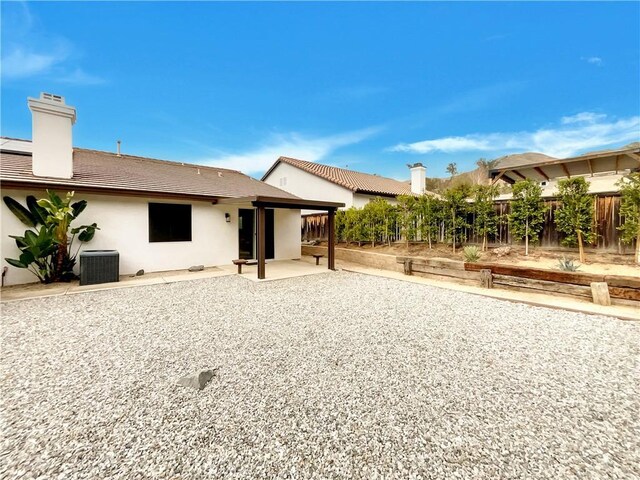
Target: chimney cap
(52, 104)
(415, 165)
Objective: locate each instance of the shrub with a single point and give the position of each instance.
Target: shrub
(574, 218)
(527, 212)
(46, 248)
(471, 253)
(566, 265)
(630, 210)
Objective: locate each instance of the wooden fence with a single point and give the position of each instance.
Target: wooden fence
(606, 222)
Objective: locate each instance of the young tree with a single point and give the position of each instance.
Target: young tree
(574, 218)
(630, 210)
(376, 219)
(407, 217)
(484, 211)
(527, 212)
(353, 231)
(429, 211)
(455, 208)
(340, 225)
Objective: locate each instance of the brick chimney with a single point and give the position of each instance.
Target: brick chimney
(52, 137)
(417, 178)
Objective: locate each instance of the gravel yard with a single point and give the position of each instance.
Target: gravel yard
(330, 375)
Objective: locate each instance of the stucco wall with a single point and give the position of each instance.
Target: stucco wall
(360, 200)
(308, 186)
(123, 223)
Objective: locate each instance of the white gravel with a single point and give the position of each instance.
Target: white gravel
(326, 376)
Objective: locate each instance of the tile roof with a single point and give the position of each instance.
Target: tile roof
(354, 181)
(96, 170)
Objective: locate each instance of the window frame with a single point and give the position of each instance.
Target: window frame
(167, 234)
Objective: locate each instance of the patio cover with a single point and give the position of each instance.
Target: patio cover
(263, 202)
(518, 167)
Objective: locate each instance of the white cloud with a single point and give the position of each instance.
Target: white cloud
(576, 135)
(583, 117)
(21, 63)
(293, 145)
(29, 52)
(593, 60)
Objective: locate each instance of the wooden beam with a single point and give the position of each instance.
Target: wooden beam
(590, 166)
(519, 174)
(541, 172)
(261, 241)
(498, 177)
(566, 170)
(331, 260)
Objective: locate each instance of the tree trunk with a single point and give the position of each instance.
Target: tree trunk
(453, 230)
(580, 247)
(526, 238)
(484, 242)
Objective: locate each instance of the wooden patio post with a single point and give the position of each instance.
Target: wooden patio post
(331, 224)
(261, 242)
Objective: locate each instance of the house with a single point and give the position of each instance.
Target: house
(602, 169)
(159, 215)
(354, 189)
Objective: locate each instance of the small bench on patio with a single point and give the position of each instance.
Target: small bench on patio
(241, 261)
(317, 257)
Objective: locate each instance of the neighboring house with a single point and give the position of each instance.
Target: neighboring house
(324, 182)
(602, 169)
(159, 215)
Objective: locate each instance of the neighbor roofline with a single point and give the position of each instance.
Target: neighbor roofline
(579, 158)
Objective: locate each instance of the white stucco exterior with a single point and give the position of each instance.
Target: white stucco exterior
(123, 223)
(306, 185)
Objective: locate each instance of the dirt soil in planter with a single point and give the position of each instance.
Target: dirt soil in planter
(597, 262)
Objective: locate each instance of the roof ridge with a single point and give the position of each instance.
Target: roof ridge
(338, 168)
(158, 160)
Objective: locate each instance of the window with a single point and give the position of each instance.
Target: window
(169, 222)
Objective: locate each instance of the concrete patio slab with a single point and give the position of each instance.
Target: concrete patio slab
(280, 269)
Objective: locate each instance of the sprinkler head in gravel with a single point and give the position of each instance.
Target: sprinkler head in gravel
(199, 380)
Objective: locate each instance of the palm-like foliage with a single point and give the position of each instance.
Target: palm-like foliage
(46, 248)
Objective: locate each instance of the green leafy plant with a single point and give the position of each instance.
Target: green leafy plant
(527, 212)
(46, 248)
(407, 212)
(485, 222)
(471, 253)
(567, 265)
(630, 210)
(353, 226)
(430, 213)
(455, 208)
(575, 218)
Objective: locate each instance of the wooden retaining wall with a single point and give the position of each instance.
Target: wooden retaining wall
(622, 290)
(369, 259)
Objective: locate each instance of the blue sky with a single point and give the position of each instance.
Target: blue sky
(371, 86)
